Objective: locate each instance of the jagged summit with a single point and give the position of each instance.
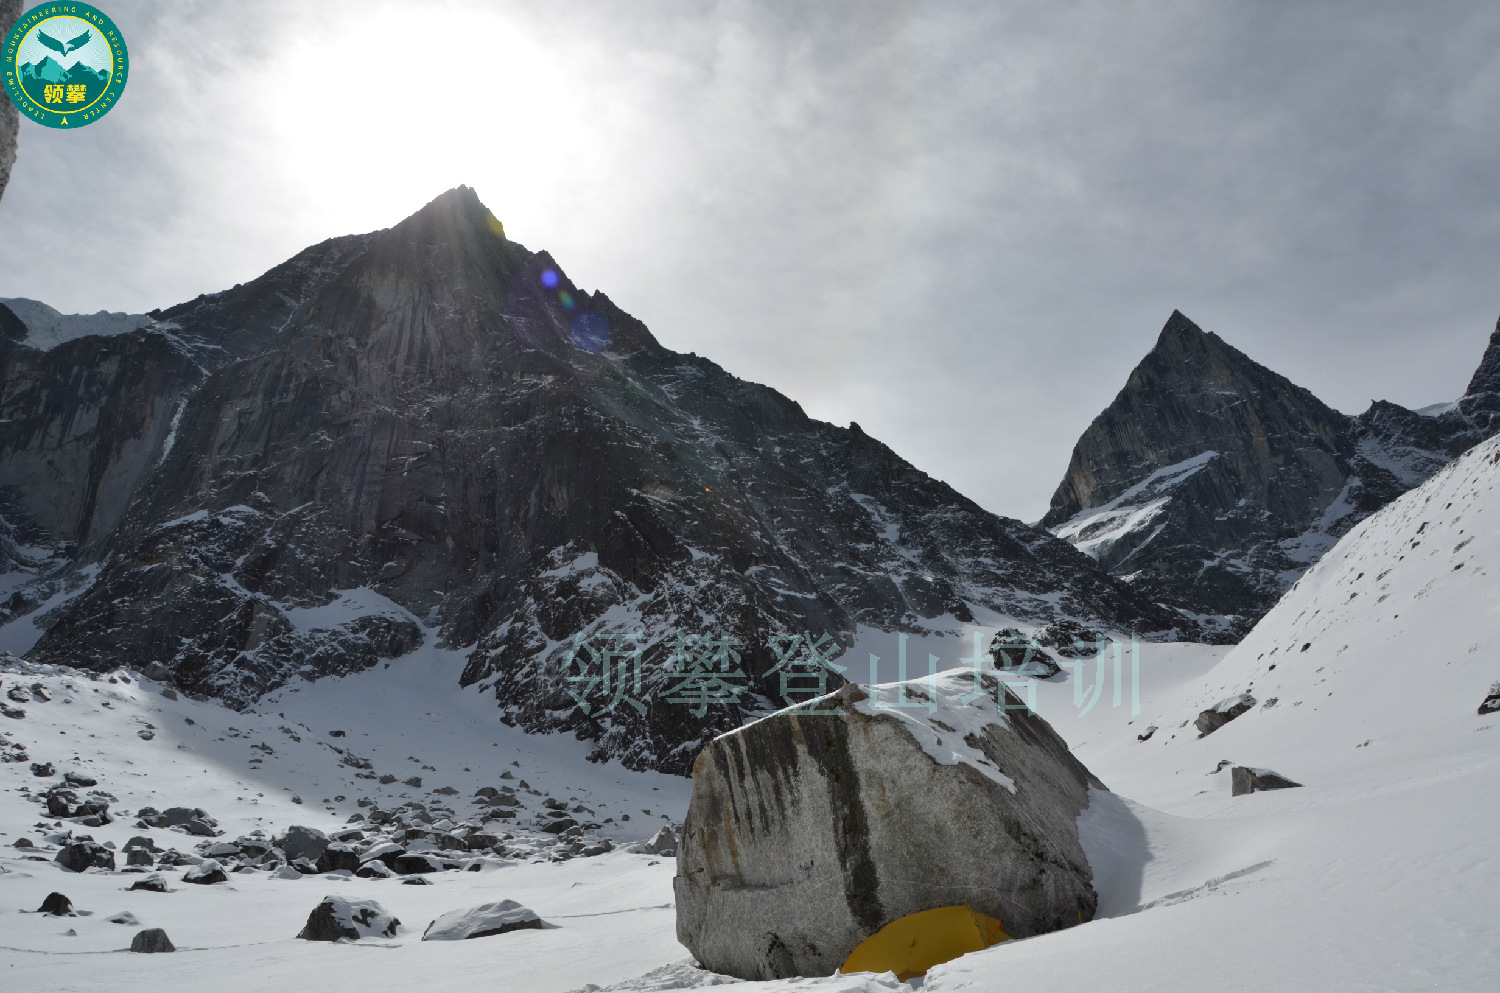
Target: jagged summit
(429, 433)
(1487, 376)
(1212, 482)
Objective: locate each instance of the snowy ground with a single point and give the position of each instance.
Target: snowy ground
(1380, 873)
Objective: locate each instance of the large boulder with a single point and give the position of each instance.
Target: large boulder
(482, 921)
(337, 918)
(86, 855)
(206, 873)
(57, 905)
(338, 856)
(1222, 713)
(154, 883)
(302, 843)
(152, 940)
(1244, 779)
(810, 830)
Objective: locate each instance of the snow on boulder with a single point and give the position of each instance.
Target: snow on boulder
(663, 843)
(337, 856)
(206, 873)
(57, 905)
(301, 842)
(1222, 713)
(812, 829)
(337, 918)
(154, 883)
(482, 921)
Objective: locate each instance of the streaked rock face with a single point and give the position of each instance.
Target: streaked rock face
(808, 832)
(430, 434)
(1212, 483)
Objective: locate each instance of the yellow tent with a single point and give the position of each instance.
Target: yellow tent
(910, 945)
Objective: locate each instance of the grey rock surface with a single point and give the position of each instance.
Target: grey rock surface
(10, 117)
(85, 855)
(300, 842)
(807, 833)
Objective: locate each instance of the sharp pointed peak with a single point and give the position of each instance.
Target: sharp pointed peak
(1487, 376)
(457, 208)
(1180, 327)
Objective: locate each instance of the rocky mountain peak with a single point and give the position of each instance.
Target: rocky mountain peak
(1487, 376)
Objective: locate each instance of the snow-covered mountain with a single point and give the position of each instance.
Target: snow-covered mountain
(1211, 483)
(1378, 872)
(47, 328)
(430, 433)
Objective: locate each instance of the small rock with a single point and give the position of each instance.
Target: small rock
(416, 881)
(414, 781)
(80, 780)
(296, 799)
(387, 779)
(337, 918)
(374, 869)
(154, 883)
(560, 825)
(43, 769)
(152, 940)
(145, 735)
(123, 917)
(1146, 735)
(407, 865)
(206, 873)
(482, 921)
(138, 856)
(15, 713)
(287, 872)
(1244, 779)
(57, 905)
(169, 693)
(23, 843)
(1491, 703)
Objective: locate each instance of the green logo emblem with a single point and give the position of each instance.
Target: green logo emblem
(64, 64)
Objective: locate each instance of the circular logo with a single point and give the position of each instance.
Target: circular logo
(64, 64)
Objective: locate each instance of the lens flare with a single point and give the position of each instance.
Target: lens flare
(549, 278)
(566, 299)
(589, 332)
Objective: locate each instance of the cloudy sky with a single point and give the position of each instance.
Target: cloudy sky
(959, 224)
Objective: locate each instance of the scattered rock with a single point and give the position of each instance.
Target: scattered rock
(86, 855)
(152, 940)
(479, 841)
(560, 825)
(337, 918)
(996, 822)
(154, 883)
(663, 843)
(1021, 656)
(482, 921)
(1069, 639)
(411, 864)
(287, 872)
(138, 856)
(302, 842)
(374, 869)
(416, 881)
(23, 843)
(387, 779)
(145, 734)
(169, 693)
(487, 791)
(1222, 713)
(15, 713)
(206, 873)
(1244, 779)
(80, 780)
(57, 905)
(43, 769)
(123, 917)
(414, 781)
(40, 693)
(1146, 735)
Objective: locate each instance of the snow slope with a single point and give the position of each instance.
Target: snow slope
(1379, 873)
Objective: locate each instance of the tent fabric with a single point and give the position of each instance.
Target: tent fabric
(910, 945)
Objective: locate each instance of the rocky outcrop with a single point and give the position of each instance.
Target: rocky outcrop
(151, 941)
(84, 855)
(431, 432)
(1212, 483)
(812, 829)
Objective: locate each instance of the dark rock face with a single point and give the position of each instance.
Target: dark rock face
(1213, 483)
(426, 412)
(206, 873)
(1246, 780)
(807, 832)
(152, 940)
(338, 856)
(154, 883)
(86, 855)
(1222, 713)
